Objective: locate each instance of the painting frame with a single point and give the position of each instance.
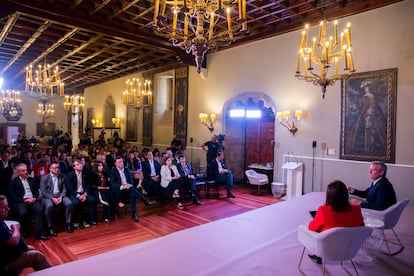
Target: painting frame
(368, 116)
(131, 124)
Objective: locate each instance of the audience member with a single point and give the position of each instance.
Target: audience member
(337, 212)
(53, 188)
(217, 170)
(64, 165)
(176, 144)
(24, 199)
(380, 195)
(188, 178)
(171, 180)
(6, 172)
(79, 192)
(151, 170)
(99, 181)
(15, 254)
(121, 184)
(110, 158)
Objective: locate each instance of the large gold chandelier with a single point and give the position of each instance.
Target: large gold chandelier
(192, 24)
(74, 103)
(45, 110)
(326, 52)
(44, 82)
(137, 92)
(10, 102)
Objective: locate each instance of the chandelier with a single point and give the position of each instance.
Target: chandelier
(44, 82)
(74, 103)
(193, 25)
(45, 110)
(327, 52)
(10, 102)
(137, 93)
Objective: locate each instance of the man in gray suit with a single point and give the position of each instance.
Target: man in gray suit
(53, 187)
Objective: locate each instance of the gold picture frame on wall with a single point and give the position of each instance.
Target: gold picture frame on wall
(368, 106)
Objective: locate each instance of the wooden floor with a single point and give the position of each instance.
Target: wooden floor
(156, 221)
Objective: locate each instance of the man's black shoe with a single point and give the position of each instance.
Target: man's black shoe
(69, 228)
(52, 232)
(196, 201)
(135, 218)
(81, 225)
(230, 196)
(149, 202)
(41, 237)
(92, 222)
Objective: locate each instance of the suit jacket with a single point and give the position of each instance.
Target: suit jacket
(327, 218)
(72, 183)
(5, 177)
(146, 169)
(46, 185)
(16, 190)
(115, 180)
(180, 168)
(213, 169)
(379, 197)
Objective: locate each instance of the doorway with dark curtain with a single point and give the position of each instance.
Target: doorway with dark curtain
(249, 140)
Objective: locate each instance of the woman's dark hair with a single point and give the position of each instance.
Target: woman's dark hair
(95, 166)
(337, 196)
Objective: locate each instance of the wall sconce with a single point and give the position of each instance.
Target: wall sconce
(116, 121)
(207, 120)
(96, 122)
(286, 115)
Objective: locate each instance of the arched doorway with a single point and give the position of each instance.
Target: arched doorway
(249, 139)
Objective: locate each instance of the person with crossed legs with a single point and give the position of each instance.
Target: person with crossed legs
(121, 184)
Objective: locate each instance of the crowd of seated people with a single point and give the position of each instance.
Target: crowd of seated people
(41, 176)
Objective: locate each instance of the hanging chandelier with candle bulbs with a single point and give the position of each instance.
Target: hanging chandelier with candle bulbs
(74, 103)
(137, 93)
(327, 53)
(45, 110)
(10, 102)
(44, 81)
(193, 25)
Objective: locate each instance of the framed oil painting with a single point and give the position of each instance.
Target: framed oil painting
(368, 108)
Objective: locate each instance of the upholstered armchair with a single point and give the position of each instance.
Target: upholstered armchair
(390, 217)
(256, 178)
(335, 244)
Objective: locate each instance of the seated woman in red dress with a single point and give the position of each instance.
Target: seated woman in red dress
(337, 211)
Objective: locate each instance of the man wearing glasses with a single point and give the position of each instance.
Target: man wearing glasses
(53, 187)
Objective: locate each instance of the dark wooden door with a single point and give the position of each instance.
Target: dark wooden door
(258, 144)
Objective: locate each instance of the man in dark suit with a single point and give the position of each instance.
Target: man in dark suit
(218, 171)
(53, 188)
(151, 171)
(6, 172)
(110, 158)
(184, 169)
(121, 183)
(79, 192)
(24, 197)
(380, 195)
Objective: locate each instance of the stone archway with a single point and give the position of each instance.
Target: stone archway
(235, 129)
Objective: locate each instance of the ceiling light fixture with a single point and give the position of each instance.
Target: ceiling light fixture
(137, 93)
(194, 26)
(44, 82)
(327, 52)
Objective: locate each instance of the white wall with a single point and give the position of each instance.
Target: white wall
(382, 38)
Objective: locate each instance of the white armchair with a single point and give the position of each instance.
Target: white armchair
(390, 217)
(336, 244)
(256, 178)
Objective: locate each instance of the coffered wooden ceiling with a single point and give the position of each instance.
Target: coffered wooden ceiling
(94, 41)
